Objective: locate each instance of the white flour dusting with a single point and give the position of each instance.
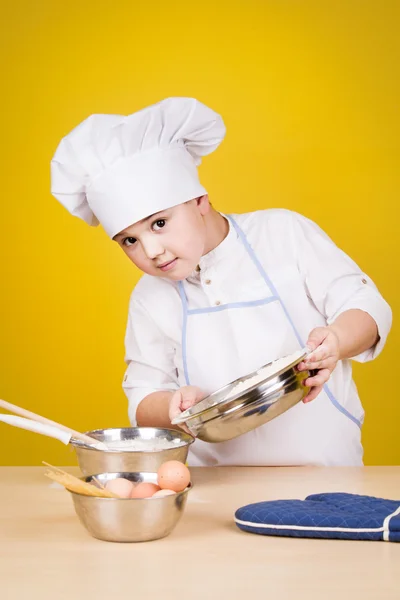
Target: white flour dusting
(140, 445)
(264, 373)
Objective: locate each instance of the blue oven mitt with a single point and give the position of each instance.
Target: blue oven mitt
(343, 516)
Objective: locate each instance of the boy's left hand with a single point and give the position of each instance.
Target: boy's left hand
(324, 345)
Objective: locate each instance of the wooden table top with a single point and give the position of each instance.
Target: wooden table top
(46, 553)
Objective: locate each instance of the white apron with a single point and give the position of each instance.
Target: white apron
(322, 432)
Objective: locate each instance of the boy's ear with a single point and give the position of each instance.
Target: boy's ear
(204, 204)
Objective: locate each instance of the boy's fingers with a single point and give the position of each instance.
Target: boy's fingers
(320, 353)
(175, 405)
(316, 337)
(190, 397)
(319, 379)
(327, 363)
(315, 391)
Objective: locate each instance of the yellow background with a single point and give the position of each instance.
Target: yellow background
(310, 95)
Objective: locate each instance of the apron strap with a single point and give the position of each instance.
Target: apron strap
(184, 301)
(264, 275)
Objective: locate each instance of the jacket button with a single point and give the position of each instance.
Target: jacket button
(208, 281)
(217, 303)
(364, 280)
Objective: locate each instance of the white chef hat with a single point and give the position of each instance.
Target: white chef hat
(116, 170)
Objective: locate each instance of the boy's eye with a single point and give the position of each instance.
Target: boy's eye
(159, 224)
(129, 241)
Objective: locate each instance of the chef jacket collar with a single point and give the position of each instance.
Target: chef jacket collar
(225, 249)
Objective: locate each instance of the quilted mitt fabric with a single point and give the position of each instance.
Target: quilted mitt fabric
(343, 516)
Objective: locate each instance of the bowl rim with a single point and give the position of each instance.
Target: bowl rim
(186, 438)
(188, 414)
(237, 411)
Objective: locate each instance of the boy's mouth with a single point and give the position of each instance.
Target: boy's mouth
(168, 265)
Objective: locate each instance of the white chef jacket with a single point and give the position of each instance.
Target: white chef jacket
(316, 280)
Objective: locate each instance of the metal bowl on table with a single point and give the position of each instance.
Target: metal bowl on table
(94, 460)
(129, 519)
(218, 418)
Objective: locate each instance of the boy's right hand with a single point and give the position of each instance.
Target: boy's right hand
(183, 399)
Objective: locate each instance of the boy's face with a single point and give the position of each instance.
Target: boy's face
(170, 243)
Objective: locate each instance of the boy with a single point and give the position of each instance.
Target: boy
(221, 295)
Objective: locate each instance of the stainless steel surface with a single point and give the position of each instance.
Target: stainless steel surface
(219, 396)
(78, 443)
(129, 520)
(225, 420)
(92, 460)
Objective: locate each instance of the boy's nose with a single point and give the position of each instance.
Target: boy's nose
(152, 247)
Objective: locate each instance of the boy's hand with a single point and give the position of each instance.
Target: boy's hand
(324, 345)
(183, 399)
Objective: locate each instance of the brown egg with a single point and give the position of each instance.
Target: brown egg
(173, 475)
(144, 490)
(162, 493)
(120, 486)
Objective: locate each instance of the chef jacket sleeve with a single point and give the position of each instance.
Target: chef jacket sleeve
(149, 358)
(335, 283)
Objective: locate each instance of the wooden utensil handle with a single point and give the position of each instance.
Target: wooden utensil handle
(22, 412)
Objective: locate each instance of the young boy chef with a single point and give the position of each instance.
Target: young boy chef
(222, 295)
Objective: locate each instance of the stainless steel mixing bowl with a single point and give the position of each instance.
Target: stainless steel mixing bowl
(216, 419)
(129, 519)
(93, 460)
